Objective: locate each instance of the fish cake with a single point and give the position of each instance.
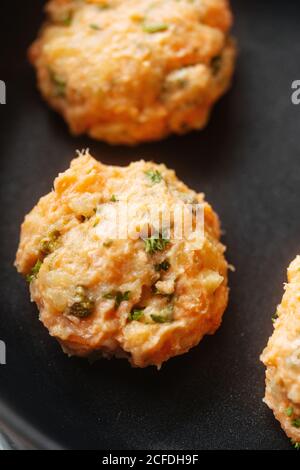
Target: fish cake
(128, 71)
(146, 298)
(282, 358)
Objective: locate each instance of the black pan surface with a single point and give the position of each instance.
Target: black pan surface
(247, 163)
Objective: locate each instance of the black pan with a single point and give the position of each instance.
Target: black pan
(247, 162)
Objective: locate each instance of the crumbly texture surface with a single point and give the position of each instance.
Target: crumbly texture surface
(282, 358)
(127, 71)
(144, 299)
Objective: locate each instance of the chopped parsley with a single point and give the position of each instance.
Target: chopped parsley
(49, 244)
(165, 316)
(118, 296)
(114, 198)
(160, 319)
(164, 266)
(67, 20)
(122, 297)
(274, 317)
(82, 309)
(154, 176)
(109, 296)
(289, 411)
(59, 84)
(296, 445)
(155, 27)
(95, 27)
(34, 271)
(83, 306)
(296, 423)
(154, 244)
(136, 314)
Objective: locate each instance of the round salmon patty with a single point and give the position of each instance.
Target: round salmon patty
(282, 358)
(127, 71)
(146, 296)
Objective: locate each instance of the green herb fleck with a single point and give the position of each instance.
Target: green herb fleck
(121, 297)
(154, 175)
(136, 314)
(216, 63)
(59, 84)
(289, 411)
(81, 309)
(155, 28)
(154, 244)
(118, 296)
(34, 271)
(274, 317)
(160, 319)
(164, 266)
(296, 423)
(95, 27)
(165, 316)
(49, 243)
(114, 198)
(109, 296)
(67, 20)
(83, 305)
(296, 445)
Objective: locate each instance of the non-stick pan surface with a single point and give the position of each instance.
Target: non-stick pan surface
(247, 161)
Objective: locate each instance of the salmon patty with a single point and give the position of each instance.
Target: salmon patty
(282, 358)
(144, 297)
(128, 71)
